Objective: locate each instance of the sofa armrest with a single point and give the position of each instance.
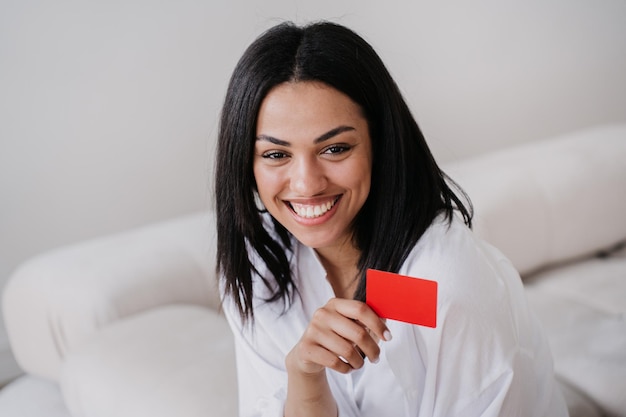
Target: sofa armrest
(55, 301)
(552, 200)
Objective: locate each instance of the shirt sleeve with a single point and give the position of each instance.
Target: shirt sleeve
(261, 378)
(479, 365)
(488, 356)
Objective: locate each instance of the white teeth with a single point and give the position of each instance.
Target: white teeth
(311, 212)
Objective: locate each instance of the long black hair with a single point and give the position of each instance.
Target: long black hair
(408, 189)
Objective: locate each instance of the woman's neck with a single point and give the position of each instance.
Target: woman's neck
(341, 268)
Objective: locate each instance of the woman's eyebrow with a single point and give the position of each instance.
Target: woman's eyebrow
(326, 136)
(273, 140)
(333, 132)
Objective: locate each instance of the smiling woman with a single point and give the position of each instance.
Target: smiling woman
(315, 181)
(322, 173)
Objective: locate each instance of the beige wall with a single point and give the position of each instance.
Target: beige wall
(108, 109)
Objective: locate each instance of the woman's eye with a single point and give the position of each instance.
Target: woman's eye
(274, 155)
(336, 149)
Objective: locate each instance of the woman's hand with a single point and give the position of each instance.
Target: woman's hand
(340, 335)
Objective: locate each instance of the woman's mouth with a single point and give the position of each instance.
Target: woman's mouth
(312, 211)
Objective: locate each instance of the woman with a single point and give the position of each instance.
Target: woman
(322, 174)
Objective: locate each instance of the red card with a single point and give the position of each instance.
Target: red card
(398, 297)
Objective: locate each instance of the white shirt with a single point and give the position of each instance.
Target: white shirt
(486, 357)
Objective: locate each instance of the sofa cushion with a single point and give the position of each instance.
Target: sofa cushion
(32, 396)
(551, 200)
(58, 299)
(582, 306)
(171, 361)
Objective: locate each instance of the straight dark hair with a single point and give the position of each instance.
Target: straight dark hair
(408, 189)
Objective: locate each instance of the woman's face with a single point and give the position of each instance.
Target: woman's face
(312, 161)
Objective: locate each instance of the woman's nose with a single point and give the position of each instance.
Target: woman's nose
(307, 177)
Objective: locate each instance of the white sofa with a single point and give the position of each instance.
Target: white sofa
(129, 325)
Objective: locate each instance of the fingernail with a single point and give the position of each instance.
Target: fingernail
(387, 335)
(375, 360)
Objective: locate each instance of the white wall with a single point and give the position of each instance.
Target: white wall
(108, 108)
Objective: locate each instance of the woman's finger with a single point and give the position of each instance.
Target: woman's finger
(337, 317)
(363, 314)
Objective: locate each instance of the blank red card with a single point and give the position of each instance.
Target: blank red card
(399, 297)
